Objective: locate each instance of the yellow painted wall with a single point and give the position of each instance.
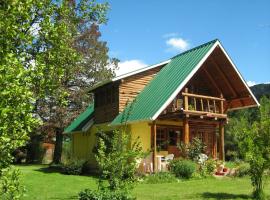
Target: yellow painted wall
(143, 131)
(83, 143)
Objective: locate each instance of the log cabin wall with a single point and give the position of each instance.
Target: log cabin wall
(106, 102)
(131, 86)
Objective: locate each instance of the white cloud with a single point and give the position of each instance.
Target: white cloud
(129, 66)
(251, 83)
(177, 44)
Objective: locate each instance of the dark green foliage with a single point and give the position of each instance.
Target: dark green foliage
(251, 114)
(253, 140)
(210, 166)
(35, 151)
(261, 90)
(117, 158)
(243, 169)
(10, 186)
(182, 168)
(232, 155)
(104, 195)
(161, 177)
(193, 149)
(73, 167)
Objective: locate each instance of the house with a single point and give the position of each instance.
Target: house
(176, 100)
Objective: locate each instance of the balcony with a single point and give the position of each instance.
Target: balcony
(198, 105)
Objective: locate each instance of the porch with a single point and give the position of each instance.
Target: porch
(198, 116)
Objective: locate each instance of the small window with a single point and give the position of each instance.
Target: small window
(161, 139)
(172, 137)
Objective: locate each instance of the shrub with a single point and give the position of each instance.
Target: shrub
(105, 195)
(10, 186)
(193, 149)
(161, 177)
(182, 168)
(242, 170)
(210, 165)
(73, 167)
(232, 155)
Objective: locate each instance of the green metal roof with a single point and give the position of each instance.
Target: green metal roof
(162, 86)
(81, 120)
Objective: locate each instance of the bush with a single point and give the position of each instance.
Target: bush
(182, 168)
(105, 195)
(210, 165)
(161, 177)
(10, 186)
(232, 155)
(193, 149)
(73, 167)
(242, 170)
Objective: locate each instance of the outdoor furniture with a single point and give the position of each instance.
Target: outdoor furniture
(148, 164)
(165, 161)
(159, 158)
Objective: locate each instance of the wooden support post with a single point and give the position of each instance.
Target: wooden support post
(186, 99)
(214, 150)
(221, 105)
(221, 141)
(154, 133)
(202, 105)
(215, 109)
(195, 104)
(186, 131)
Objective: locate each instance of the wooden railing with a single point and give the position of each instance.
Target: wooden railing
(203, 105)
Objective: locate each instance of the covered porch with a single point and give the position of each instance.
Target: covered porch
(193, 116)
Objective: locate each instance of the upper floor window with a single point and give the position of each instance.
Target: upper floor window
(105, 95)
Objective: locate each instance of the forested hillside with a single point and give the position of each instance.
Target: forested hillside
(261, 90)
(250, 114)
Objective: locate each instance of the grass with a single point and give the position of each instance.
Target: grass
(43, 184)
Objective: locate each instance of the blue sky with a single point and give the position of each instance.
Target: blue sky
(144, 32)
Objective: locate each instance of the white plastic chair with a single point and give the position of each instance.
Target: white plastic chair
(165, 161)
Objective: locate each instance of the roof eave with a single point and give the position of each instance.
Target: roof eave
(127, 75)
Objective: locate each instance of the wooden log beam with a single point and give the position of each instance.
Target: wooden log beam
(203, 113)
(186, 131)
(212, 80)
(224, 77)
(186, 99)
(154, 133)
(221, 141)
(202, 96)
(214, 149)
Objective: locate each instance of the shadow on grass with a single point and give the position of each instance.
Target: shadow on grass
(221, 195)
(49, 169)
(58, 169)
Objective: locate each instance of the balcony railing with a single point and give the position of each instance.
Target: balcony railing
(210, 106)
(200, 105)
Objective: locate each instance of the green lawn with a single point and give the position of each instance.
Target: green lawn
(43, 184)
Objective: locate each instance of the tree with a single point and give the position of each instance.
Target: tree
(69, 58)
(254, 143)
(16, 97)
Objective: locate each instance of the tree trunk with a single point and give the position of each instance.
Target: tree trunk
(58, 146)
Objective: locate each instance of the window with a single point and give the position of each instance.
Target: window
(173, 136)
(161, 139)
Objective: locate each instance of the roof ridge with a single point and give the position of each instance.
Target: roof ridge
(194, 48)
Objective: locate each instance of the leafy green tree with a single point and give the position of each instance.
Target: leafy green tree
(16, 96)
(73, 59)
(254, 143)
